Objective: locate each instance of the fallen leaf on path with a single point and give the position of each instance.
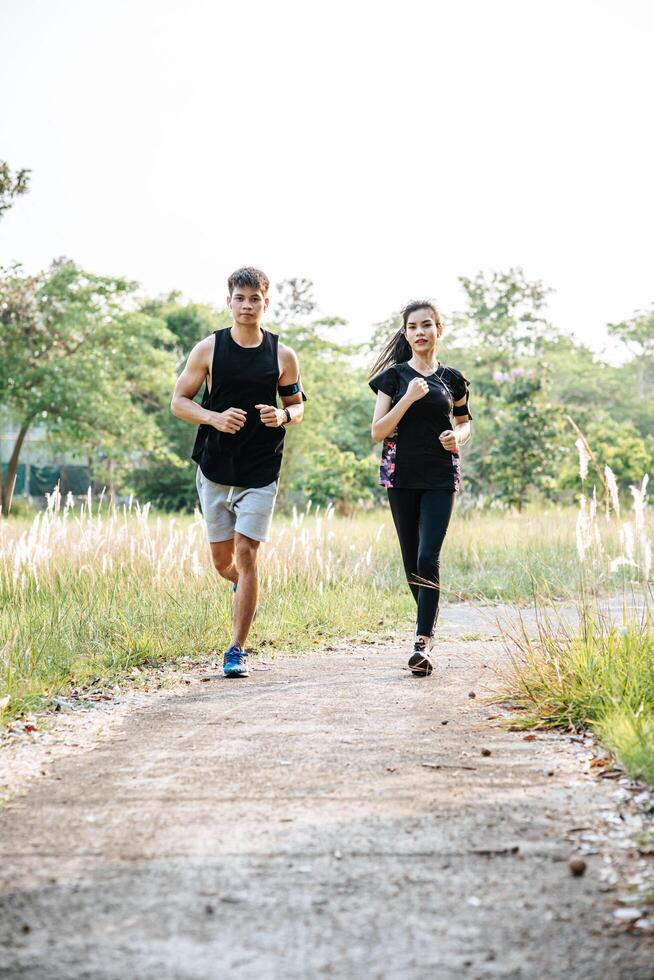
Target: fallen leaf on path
(528, 738)
(600, 762)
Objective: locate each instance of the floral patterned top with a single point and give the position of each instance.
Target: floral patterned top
(412, 455)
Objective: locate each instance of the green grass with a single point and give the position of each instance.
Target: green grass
(596, 675)
(85, 595)
(94, 597)
(629, 734)
(508, 556)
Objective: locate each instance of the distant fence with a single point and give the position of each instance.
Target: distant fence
(34, 481)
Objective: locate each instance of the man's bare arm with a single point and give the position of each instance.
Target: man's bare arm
(290, 375)
(273, 417)
(189, 383)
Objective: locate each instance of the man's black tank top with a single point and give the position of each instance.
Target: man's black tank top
(241, 377)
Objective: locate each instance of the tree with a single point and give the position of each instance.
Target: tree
(505, 311)
(637, 334)
(295, 301)
(337, 413)
(172, 487)
(526, 449)
(617, 444)
(11, 185)
(339, 478)
(78, 355)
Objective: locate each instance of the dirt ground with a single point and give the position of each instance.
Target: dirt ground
(330, 816)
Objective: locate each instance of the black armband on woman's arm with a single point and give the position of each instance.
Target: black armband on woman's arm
(462, 409)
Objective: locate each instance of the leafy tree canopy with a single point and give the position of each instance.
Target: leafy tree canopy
(79, 356)
(11, 186)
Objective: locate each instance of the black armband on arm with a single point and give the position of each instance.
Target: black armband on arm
(294, 389)
(462, 409)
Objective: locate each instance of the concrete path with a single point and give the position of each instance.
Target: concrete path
(331, 816)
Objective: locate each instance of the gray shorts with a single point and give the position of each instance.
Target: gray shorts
(247, 510)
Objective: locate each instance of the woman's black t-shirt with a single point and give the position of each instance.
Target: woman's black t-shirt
(412, 455)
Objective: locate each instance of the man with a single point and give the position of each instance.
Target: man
(240, 440)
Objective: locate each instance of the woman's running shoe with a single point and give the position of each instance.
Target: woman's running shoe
(419, 662)
(432, 639)
(234, 664)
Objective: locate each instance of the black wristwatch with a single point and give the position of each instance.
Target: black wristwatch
(288, 417)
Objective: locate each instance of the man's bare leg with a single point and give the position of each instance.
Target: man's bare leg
(246, 598)
(222, 555)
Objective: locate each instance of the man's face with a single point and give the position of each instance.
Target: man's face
(247, 304)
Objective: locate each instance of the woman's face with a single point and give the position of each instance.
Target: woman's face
(422, 332)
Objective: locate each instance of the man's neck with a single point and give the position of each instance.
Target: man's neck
(247, 334)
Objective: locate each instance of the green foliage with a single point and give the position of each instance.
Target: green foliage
(620, 446)
(76, 356)
(79, 353)
(524, 456)
(170, 483)
(595, 675)
(505, 311)
(337, 420)
(188, 323)
(11, 185)
(636, 333)
(339, 477)
(295, 301)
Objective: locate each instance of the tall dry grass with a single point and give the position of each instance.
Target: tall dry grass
(93, 591)
(596, 669)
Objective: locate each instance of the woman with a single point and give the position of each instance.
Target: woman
(416, 397)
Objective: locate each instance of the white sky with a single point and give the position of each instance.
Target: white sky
(379, 148)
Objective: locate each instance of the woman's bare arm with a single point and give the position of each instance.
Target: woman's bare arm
(386, 418)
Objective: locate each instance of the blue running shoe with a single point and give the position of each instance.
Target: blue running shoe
(234, 664)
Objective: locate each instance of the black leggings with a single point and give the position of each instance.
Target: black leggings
(421, 518)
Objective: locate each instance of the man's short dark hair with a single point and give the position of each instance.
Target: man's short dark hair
(249, 276)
